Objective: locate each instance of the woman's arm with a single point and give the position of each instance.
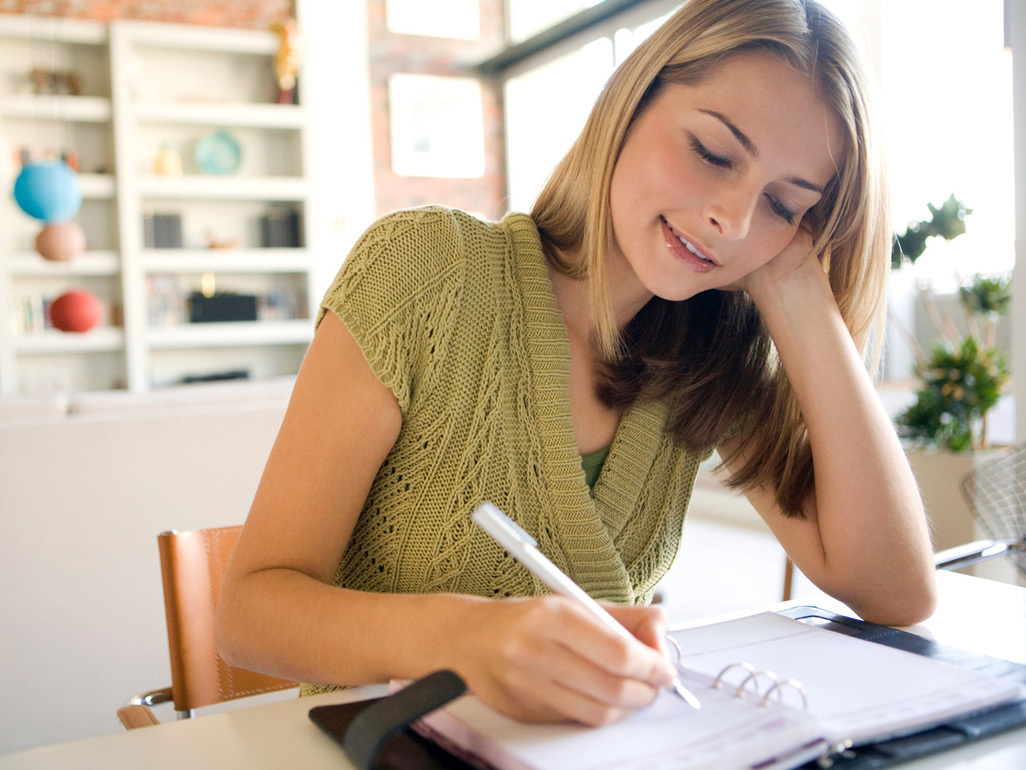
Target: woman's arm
(539, 659)
(864, 538)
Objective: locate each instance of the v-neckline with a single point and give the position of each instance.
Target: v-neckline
(592, 519)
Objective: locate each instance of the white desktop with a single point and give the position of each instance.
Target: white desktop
(979, 615)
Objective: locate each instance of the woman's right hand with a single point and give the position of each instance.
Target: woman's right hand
(546, 659)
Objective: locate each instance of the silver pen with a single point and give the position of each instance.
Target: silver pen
(524, 549)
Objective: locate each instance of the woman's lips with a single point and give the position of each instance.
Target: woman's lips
(686, 251)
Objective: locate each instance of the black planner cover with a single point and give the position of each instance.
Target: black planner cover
(959, 732)
(406, 750)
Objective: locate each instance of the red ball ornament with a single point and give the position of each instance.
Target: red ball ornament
(76, 311)
(60, 242)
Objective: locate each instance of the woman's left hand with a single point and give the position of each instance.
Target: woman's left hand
(797, 259)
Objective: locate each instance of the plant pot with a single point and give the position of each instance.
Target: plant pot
(939, 475)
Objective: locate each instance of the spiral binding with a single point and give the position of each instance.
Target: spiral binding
(777, 684)
(830, 756)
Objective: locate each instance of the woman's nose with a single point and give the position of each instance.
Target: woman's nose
(731, 212)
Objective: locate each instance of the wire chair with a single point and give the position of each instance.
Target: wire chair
(995, 491)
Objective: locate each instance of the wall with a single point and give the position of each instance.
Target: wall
(83, 499)
(436, 56)
(252, 14)
(1015, 22)
(335, 78)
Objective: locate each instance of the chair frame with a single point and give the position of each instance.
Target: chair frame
(192, 566)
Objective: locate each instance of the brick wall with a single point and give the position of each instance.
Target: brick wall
(251, 14)
(436, 56)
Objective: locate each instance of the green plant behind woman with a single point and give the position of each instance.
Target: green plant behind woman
(962, 378)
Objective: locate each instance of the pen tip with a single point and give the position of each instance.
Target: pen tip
(686, 694)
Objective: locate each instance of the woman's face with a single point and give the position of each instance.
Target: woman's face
(714, 179)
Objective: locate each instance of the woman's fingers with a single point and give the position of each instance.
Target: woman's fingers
(764, 282)
(547, 659)
(647, 624)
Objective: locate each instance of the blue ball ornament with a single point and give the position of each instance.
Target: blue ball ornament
(48, 191)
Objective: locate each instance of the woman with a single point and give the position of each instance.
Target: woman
(703, 270)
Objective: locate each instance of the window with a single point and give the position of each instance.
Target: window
(946, 96)
(528, 17)
(546, 108)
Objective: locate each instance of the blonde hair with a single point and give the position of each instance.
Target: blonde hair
(850, 224)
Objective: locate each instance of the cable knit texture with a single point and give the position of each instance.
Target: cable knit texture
(457, 317)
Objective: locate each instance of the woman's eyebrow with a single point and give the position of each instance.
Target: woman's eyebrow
(737, 132)
(752, 150)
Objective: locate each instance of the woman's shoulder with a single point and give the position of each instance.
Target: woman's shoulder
(443, 222)
(409, 254)
(430, 238)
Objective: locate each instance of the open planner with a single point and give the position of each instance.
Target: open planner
(775, 693)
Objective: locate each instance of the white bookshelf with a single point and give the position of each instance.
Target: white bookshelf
(87, 263)
(231, 261)
(107, 339)
(96, 186)
(216, 335)
(239, 115)
(77, 109)
(147, 86)
(237, 188)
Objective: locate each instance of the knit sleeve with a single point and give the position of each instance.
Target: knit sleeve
(395, 290)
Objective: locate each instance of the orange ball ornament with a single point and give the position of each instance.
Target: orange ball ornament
(61, 242)
(76, 311)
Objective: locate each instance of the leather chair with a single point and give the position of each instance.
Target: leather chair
(192, 565)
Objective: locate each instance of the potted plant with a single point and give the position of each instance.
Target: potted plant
(961, 379)
(956, 383)
(963, 376)
(947, 222)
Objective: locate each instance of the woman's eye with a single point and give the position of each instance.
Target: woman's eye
(781, 210)
(703, 152)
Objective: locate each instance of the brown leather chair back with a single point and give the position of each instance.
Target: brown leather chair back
(192, 566)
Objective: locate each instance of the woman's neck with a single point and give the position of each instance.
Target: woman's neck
(572, 299)
(625, 292)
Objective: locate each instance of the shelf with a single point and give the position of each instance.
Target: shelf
(214, 335)
(211, 187)
(50, 28)
(188, 37)
(99, 340)
(96, 186)
(282, 116)
(226, 260)
(101, 263)
(72, 109)
(148, 83)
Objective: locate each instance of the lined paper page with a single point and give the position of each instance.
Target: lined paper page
(857, 690)
(669, 735)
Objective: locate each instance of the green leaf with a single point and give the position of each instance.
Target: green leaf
(958, 386)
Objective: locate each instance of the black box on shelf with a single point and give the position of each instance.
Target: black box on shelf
(280, 229)
(222, 306)
(162, 231)
(231, 374)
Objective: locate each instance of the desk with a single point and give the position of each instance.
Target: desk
(280, 735)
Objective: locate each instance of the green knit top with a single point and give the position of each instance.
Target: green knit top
(592, 464)
(457, 317)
